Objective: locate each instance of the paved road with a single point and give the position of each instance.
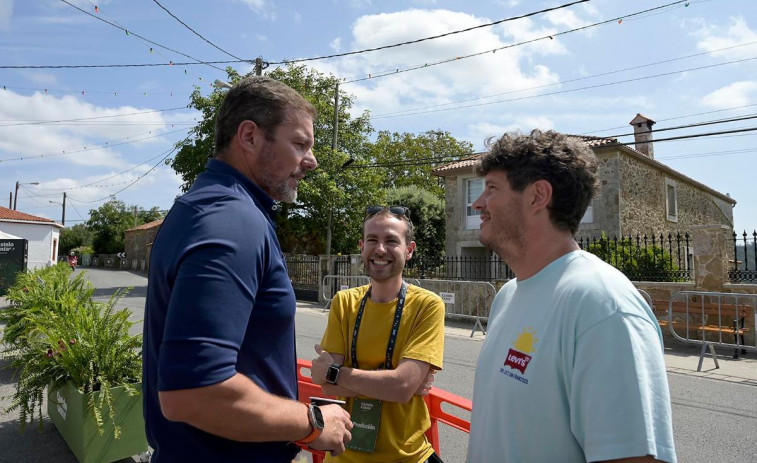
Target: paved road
(714, 412)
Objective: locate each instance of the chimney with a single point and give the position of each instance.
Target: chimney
(642, 134)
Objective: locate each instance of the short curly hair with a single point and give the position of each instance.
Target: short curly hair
(567, 163)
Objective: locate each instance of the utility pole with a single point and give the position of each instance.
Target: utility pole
(333, 153)
(63, 220)
(10, 200)
(135, 216)
(259, 66)
(15, 196)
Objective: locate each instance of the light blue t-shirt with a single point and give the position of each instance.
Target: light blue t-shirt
(571, 370)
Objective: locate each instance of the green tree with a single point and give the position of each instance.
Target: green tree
(333, 189)
(408, 159)
(428, 216)
(109, 222)
(637, 262)
(73, 237)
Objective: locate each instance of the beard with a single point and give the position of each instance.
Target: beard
(274, 184)
(505, 236)
(385, 273)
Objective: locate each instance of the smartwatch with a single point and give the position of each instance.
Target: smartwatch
(316, 421)
(332, 374)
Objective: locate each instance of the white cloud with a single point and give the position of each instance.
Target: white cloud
(713, 37)
(483, 130)
(45, 139)
(6, 11)
(736, 94)
(491, 73)
(261, 7)
(336, 44)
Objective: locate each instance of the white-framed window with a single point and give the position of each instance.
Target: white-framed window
(671, 200)
(473, 189)
(589, 214)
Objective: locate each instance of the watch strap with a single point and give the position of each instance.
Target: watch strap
(315, 433)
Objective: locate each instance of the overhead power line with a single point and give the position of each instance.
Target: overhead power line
(563, 82)
(559, 92)
(198, 34)
(139, 36)
(445, 159)
(446, 34)
(494, 50)
(56, 121)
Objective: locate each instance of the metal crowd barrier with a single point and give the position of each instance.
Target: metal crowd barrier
(469, 300)
(434, 401)
(711, 319)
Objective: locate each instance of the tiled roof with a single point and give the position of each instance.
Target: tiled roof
(146, 226)
(593, 142)
(10, 214)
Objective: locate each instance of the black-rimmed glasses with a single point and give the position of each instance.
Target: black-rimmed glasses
(370, 211)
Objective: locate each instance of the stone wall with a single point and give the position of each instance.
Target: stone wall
(456, 234)
(643, 205)
(605, 205)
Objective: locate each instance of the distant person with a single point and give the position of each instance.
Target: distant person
(219, 362)
(72, 260)
(383, 344)
(572, 368)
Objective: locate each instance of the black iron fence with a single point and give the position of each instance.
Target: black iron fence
(745, 259)
(645, 257)
(303, 272)
(640, 258)
(475, 268)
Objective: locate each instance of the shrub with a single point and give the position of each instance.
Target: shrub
(638, 263)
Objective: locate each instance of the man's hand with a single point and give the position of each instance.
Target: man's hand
(320, 365)
(427, 383)
(336, 430)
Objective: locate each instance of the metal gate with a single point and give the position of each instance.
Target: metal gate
(303, 272)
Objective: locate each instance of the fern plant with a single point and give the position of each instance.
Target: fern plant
(80, 341)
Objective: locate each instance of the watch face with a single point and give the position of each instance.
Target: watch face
(332, 374)
(317, 417)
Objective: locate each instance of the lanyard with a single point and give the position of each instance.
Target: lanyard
(392, 335)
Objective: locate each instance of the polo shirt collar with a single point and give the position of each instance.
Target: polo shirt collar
(268, 204)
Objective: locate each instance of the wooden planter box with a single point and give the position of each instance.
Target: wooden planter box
(67, 408)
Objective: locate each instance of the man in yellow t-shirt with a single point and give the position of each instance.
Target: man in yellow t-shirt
(382, 346)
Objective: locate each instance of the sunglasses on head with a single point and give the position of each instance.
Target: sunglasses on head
(370, 211)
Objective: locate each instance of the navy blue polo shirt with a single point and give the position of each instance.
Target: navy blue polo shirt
(219, 302)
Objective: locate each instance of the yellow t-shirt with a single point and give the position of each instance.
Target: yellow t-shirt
(420, 337)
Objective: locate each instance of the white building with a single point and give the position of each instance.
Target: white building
(42, 234)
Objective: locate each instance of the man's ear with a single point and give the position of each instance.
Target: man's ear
(360, 245)
(541, 194)
(410, 250)
(247, 133)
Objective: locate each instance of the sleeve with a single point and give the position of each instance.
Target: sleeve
(336, 337)
(426, 339)
(211, 301)
(619, 396)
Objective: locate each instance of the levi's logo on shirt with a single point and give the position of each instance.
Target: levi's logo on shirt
(518, 356)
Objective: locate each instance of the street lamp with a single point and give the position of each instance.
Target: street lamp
(221, 84)
(15, 196)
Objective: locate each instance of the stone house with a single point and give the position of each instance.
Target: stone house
(138, 243)
(637, 195)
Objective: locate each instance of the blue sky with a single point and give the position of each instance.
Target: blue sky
(95, 132)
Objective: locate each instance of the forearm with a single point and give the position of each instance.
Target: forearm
(237, 409)
(338, 391)
(388, 385)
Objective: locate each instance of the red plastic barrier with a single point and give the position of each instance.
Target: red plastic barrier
(434, 400)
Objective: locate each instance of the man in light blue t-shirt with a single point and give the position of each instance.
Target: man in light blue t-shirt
(572, 368)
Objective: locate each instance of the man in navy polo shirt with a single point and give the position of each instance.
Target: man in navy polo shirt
(219, 362)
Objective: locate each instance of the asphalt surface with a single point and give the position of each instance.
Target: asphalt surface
(714, 411)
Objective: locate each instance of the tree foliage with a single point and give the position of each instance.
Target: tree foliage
(409, 158)
(427, 215)
(334, 189)
(638, 263)
(109, 222)
(74, 237)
